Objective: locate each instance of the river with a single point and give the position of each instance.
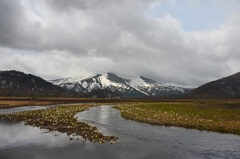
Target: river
(136, 141)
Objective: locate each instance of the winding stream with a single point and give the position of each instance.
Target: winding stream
(136, 140)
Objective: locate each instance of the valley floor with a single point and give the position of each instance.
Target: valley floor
(10, 102)
(211, 115)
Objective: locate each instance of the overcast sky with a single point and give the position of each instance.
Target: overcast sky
(183, 42)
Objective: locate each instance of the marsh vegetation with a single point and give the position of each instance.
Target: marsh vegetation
(61, 119)
(218, 117)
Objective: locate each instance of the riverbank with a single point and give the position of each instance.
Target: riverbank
(218, 117)
(61, 119)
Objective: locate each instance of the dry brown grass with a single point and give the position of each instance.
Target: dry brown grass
(12, 103)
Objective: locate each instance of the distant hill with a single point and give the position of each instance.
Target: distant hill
(14, 83)
(227, 87)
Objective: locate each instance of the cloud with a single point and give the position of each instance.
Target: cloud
(70, 38)
(15, 29)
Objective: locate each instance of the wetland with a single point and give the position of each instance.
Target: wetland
(135, 139)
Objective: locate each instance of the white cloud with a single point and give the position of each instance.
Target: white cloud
(55, 39)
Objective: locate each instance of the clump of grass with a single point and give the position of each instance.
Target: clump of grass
(188, 115)
(61, 119)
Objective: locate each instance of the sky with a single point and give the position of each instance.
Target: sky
(181, 42)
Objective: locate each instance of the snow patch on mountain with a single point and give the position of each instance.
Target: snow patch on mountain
(136, 82)
(68, 80)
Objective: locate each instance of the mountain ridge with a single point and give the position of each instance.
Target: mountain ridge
(126, 87)
(226, 87)
(110, 85)
(15, 83)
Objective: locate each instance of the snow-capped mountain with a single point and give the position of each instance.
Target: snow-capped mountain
(124, 87)
(153, 88)
(71, 83)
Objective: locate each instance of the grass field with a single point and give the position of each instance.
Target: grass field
(218, 117)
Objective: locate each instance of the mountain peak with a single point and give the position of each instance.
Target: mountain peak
(125, 87)
(147, 80)
(115, 78)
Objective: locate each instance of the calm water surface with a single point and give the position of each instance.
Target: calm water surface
(136, 141)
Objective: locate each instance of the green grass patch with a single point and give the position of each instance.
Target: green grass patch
(219, 118)
(61, 119)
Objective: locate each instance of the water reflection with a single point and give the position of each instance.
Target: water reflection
(17, 134)
(137, 141)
